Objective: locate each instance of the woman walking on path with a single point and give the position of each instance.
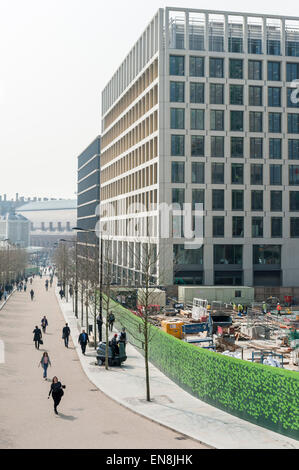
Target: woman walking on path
(45, 362)
(57, 392)
(37, 336)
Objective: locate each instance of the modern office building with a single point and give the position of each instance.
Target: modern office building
(202, 110)
(88, 194)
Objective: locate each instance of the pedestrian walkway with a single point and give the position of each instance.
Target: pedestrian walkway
(171, 406)
(3, 302)
(88, 419)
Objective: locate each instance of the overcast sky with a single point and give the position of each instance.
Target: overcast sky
(55, 58)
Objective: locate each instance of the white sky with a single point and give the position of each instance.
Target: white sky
(55, 58)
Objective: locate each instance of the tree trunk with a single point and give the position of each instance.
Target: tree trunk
(107, 337)
(147, 381)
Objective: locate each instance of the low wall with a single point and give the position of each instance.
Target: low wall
(264, 395)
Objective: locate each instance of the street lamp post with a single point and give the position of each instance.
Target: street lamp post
(76, 272)
(101, 272)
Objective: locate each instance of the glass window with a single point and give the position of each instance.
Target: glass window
(237, 147)
(267, 254)
(197, 146)
(294, 228)
(292, 48)
(218, 226)
(255, 121)
(254, 45)
(276, 227)
(177, 118)
(256, 147)
(275, 174)
(178, 196)
(218, 199)
(292, 71)
(275, 122)
(276, 201)
(178, 172)
(256, 173)
(177, 92)
(238, 226)
(197, 92)
(217, 173)
(216, 67)
(235, 44)
(255, 70)
(235, 68)
(293, 123)
(257, 198)
(237, 200)
(176, 65)
(216, 42)
(274, 96)
(228, 278)
(275, 148)
(216, 93)
(228, 254)
(273, 47)
(196, 66)
(217, 120)
(198, 197)
(294, 201)
(237, 173)
(178, 145)
(255, 96)
(274, 71)
(197, 119)
(294, 175)
(236, 94)
(292, 99)
(236, 121)
(257, 227)
(198, 172)
(293, 149)
(217, 146)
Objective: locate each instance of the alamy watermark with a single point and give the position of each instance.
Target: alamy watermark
(183, 221)
(295, 93)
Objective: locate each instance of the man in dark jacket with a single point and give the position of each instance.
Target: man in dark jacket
(44, 323)
(37, 336)
(111, 319)
(65, 335)
(114, 346)
(83, 340)
(32, 294)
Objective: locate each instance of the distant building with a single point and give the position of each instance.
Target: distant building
(88, 193)
(16, 229)
(50, 220)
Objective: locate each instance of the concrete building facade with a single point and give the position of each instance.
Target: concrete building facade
(16, 229)
(203, 110)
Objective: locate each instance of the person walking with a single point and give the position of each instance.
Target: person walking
(44, 323)
(66, 334)
(31, 280)
(37, 336)
(61, 293)
(57, 392)
(111, 320)
(122, 337)
(100, 325)
(83, 340)
(45, 362)
(32, 294)
(47, 285)
(51, 281)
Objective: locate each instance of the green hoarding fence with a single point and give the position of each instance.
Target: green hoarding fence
(264, 395)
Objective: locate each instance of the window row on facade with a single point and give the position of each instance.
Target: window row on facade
(256, 176)
(236, 94)
(236, 121)
(216, 68)
(258, 147)
(219, 201)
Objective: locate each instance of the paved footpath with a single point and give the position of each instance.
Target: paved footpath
(87, 417)
(172, 406)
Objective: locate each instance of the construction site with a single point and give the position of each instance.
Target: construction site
(263, 332)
